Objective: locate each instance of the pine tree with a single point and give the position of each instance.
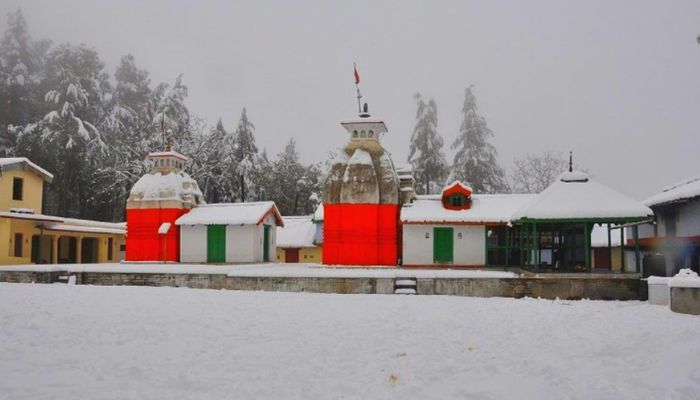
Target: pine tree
(425, 153)
(288, 179)
(245, 156)
(475, 161)
(71, 144)
(21, 63)
(128, 133)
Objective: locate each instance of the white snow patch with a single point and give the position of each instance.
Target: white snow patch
(484, 208)
(250, 213)
(297, 232)
(686, 278)
(685, 190)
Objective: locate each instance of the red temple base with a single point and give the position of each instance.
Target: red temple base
(144, 243)
(361, 234)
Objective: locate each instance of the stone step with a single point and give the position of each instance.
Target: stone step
(405, 291)
(405, 282)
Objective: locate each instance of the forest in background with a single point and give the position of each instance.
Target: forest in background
(62, 109)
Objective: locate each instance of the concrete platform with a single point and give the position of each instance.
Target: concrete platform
(344, 280)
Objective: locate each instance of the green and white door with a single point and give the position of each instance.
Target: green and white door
(216, 243)
(443, 245)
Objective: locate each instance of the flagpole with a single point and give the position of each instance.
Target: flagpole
(357, 86)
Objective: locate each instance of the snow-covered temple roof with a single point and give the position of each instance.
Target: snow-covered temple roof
(575, 196)
(7, 163)
(296, 232)
(252, 213)
(485, 208)
(676, 193)
(174, 186)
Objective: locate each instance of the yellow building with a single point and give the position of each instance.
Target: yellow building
(295, 241)
(27, 236)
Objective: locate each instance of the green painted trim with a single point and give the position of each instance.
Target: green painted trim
(579, 220)
(623, 264)
(635, 232)
(587, 245)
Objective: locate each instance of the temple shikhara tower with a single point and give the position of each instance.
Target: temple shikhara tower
(156, 201)
(361, 199)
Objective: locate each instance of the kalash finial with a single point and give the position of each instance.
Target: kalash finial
(571, 161)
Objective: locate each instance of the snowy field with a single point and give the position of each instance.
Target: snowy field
(85, 342)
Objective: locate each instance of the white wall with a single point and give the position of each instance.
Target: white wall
(468, 250)
(417, 250)
(471, 249)
(193, 243)
(241, 243)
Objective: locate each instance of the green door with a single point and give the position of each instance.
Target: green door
(266, 243)
(216, 243)
(442, 245)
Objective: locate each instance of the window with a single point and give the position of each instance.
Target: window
(363, 134)
(110, 249)
(371, 134)
(456, 200)
(19, 239)
(354, 134)
(17, 184)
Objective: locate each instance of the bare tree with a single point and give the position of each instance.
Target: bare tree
(535, 172)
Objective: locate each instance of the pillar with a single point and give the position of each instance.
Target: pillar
(78, 249)
(54, 249)
(623, 267)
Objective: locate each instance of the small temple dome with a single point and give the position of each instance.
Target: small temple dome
(166, 182)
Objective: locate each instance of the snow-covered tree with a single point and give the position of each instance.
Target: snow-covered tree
(21, 63)
(476, 158)
(77, 87)
(245, 154)
(171, 112)
(533, 173)
(425, 153)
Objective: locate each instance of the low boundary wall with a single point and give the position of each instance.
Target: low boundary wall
(550, 287)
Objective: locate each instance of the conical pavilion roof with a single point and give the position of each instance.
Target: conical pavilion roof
(574, 196)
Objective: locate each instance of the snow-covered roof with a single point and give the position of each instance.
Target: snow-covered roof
(678, 192)
(177, 186)
(575, 196)
(296, 232)
(485, 208)
(251, 213)
(318, 214)
(70, 224)
(85, 229)
(7, 162)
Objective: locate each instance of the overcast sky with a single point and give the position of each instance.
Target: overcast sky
(617, 82)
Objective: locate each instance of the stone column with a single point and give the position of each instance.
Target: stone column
(78, 249)
(54, 249)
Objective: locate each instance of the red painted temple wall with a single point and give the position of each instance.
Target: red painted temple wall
(143, 243)
(361, 234)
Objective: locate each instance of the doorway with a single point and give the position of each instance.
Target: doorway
(443, 245)
(216, 243)
(291, 255)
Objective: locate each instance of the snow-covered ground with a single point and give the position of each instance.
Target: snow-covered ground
(85, 342)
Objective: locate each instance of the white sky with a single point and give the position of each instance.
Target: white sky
(616, 82)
